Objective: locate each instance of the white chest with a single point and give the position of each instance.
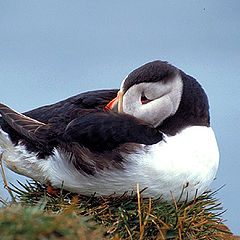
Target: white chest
(187, 161)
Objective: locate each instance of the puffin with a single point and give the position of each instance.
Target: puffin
(153, 132)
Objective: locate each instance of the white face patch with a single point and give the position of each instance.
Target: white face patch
(165, 99)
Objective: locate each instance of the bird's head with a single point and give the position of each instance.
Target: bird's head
(156, 91)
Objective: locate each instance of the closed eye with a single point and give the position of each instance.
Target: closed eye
(144, 99)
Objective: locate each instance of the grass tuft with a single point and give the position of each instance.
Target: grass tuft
(33, 222)
(63, 214)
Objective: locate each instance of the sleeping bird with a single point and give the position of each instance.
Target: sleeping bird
(154, 131)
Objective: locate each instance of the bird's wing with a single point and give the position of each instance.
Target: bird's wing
(98, 131)
(104, 131)
(21, 126)
(70, 107)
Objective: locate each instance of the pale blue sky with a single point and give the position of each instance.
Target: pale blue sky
(50, 50)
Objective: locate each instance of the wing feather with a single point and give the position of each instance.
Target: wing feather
(22, 124)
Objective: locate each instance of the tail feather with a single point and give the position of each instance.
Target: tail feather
(22, 124)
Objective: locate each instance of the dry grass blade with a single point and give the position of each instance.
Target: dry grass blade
(3, 201)
(5, 180)
(139, 212)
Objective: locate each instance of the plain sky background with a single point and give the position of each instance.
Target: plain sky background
(50, 50)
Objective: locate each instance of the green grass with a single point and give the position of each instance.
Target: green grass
(63, 215)
(18, 222)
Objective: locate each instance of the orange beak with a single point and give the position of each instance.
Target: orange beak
(113, 102)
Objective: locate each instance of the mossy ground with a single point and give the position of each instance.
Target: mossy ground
(44, 213)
